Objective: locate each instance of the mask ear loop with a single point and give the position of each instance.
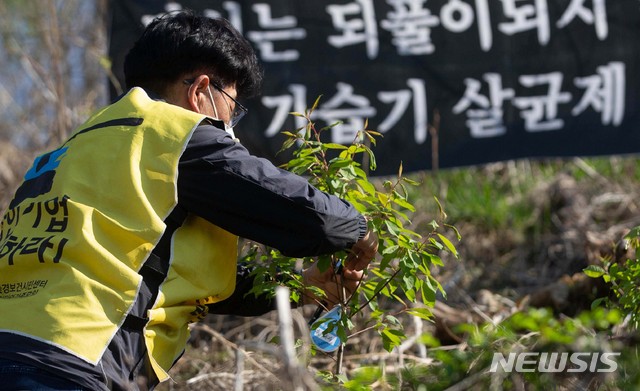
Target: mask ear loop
(227, 128)
(215, 111)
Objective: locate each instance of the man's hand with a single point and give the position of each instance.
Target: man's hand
(359, 258)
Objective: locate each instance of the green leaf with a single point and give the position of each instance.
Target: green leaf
(340, 163)
(390, 249)
(410, 181)
(333, 125)
(404, 203)
(410, 294)
(436, 244)
(288, 143)
(413, 258)
(309, 151)
(372, 159)
(454, 229)
(358, 171)
(422, 313)
(443, 215)
(367, 186)
(409, 281)
(371, 139)
(391, 338)
(315, 104)
(386, 260)
(392, 228)
(392, 320)
(334, 146)
(428, 293)
(596, 303)
(594, 271)
(449, 245)
(435, 260)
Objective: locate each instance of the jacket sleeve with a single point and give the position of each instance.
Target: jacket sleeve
(248, 196)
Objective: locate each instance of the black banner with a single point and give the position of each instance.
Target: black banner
(448, 82)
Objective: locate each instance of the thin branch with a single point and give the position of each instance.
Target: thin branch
(366, 303)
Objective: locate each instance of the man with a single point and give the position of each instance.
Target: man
(128, 231)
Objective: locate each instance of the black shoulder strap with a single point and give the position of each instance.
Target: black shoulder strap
(155, 269)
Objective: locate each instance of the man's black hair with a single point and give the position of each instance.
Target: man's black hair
(177, 44)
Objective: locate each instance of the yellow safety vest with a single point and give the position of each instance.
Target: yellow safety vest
(85, 220)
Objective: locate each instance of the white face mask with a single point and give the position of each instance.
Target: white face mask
(227, 128)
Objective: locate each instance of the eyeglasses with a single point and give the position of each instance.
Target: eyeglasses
(238, 113)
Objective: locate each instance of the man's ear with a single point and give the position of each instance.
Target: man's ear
(197, 93)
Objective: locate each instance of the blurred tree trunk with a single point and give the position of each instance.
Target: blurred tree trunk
(51, 77)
